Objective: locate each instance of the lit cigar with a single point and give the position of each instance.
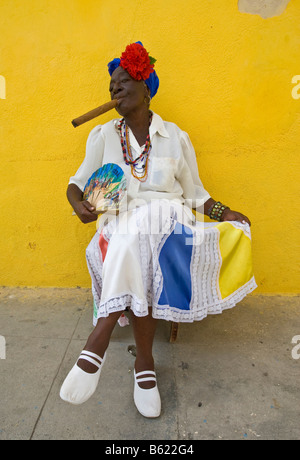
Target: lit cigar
(95, 113)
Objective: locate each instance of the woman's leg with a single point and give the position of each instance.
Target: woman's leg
(99, 339)
(81, 382)
(144, 332)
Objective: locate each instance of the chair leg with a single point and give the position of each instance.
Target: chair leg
(173, 333)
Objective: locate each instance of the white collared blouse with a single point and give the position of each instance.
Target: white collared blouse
(172, 166)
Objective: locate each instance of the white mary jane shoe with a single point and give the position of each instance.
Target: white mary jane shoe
(79, 385)
(147, 401)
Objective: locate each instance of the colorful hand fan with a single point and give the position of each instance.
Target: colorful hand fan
(106, 188)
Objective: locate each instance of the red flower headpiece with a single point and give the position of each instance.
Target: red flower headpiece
(137, 62)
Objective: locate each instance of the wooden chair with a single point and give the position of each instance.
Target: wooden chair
(173, 332)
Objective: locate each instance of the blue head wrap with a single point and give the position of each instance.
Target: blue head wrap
(152, 82)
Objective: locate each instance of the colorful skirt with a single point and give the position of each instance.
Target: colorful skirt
(157, 256)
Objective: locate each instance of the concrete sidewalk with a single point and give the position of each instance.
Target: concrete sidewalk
(231, 376)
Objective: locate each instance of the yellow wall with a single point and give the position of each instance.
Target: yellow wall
(225, 77)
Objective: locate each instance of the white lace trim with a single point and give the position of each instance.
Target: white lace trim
(141, 308)
(203, 311)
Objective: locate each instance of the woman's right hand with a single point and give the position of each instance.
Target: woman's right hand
(85, 211)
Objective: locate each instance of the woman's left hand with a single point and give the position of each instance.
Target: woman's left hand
(228, 215)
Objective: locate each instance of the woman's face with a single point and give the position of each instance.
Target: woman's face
(130, 93)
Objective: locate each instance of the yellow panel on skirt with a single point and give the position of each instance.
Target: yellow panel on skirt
(235, 250)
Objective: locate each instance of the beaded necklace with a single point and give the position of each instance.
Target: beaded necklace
(139, 166)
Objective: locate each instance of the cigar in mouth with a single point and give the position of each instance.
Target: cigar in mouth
(95, 113)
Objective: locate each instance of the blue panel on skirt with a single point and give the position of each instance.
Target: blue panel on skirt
(175, 261)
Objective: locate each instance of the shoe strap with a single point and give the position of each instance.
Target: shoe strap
(146, 379)
(139, 374)
(90, 356)
(91, 360)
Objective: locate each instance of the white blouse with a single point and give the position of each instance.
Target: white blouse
(172, 165)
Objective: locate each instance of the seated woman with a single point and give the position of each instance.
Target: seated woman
(152, 259)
